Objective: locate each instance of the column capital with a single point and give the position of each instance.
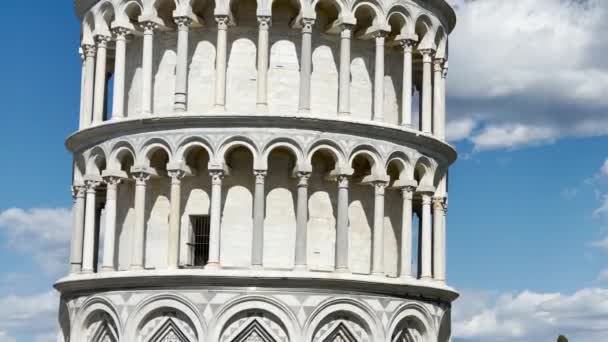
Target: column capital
(259, 176)
(307, 24)
(78, 191)
(379, 187)
(216, 176)
(426, 198)
(91, 184)
(183, 22)
(345, 30)
(407, 44)
(438, 64)
(427, 55)
(176, 175)
(120, 32)
(112, 180)
(264, 21)
(140, 174)
(102, 41)
(148, 26)
(343, 180)
(303, 178)
(89, 50)
(222, 21)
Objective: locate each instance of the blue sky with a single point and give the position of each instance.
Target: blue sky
(527, 217)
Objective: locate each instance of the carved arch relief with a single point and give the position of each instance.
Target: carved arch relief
(254, 329)
(102, 331)
(167, 328)
(341, 330)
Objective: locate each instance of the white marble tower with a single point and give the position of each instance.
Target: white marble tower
(260, 171)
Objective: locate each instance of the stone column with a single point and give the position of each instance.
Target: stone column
(302, 222)
(344, 83)
(174, 216)
(437, 125)
(118, 104)
(378, 234)
(78, 193)
(379, 77)
(100, 78)
(83, 73)
(258, 220)
(88, 249)
(306, 66)
(406, 91)
(262, 94)
(216, 215)
(427, 91)
(137, 256)
(89, 85)
(181, 69)
(406, 232)
(220, 61)
(426, 240)
(439, 209)
(147, 60)
(109, 240)
(442, 112)
(342, 257)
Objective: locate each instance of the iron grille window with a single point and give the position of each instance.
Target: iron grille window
(199, 244)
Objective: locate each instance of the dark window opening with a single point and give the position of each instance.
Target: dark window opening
(199, 244)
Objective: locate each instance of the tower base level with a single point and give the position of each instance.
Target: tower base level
(198, 312)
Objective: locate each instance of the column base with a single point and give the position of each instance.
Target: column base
(343, 115)
(342, 270)
(378, 274)
(300, 268)
(304, 111)
(218, 109)
(406, 277)
(257, 267)
(213, 266)
(261, 108)
(86, 271)
(136, 268)
(75, 268)
(107, 269)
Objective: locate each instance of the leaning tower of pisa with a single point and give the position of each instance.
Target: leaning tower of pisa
(270, 171)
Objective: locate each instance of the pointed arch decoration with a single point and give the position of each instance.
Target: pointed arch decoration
(254, 332)
(104, 333)
(408, 334)
(341, 333)
(169, 332)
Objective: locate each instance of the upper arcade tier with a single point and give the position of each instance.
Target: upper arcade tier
(373, 63)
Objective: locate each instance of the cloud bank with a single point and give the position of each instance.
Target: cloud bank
(528, 72)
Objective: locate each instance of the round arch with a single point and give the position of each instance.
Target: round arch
(360, 311)
(157, 302)
(90, 307)
(400, 19)
(189, 143)
(246, 303)
(426, 166)
(371, 154)
(239, 141)
(105, 14)
(151, 146)
(118, 151)
(326, 145)
(96, 159)
(403, 163)
(412, 311)
(285, 143)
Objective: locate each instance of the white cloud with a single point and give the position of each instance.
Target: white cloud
(459, 129)
(5, 337)
(531, 317)
(533, 71)
(604, 169)
(42, 233)
(512, 136)
(30, 314)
